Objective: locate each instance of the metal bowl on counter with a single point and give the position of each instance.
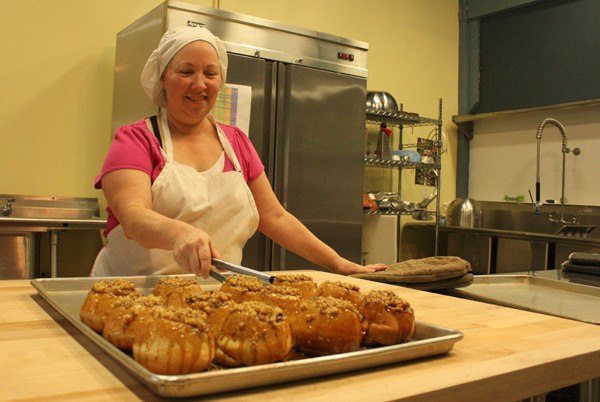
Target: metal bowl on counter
(466, 213)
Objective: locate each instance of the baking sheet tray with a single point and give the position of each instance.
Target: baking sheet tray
(542, 295)
(66, 295)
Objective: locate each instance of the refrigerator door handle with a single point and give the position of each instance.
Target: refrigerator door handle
(281, 140)
(271, 97)
(281, 158)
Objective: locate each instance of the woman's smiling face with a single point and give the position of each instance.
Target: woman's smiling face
(192, 81)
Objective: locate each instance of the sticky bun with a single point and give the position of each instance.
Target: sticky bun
(253, 333)
(340, 290)
(99, 300)
(288, 299)
(304, 283)
(243, 288)
(166, 285)
(216, 305)
(128, 317)
(387, 318)
(176, 342)
(327, 325)
(177, 297)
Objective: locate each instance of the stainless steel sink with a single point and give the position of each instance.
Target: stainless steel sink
(47, 207)
(522, 218)
(520, 221)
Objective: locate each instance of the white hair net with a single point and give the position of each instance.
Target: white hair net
(173, 40)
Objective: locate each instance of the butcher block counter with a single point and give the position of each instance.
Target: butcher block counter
(506, 354)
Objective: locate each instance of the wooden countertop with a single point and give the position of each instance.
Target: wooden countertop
(506, 354)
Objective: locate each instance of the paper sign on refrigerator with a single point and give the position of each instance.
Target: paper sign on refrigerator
(233, 106)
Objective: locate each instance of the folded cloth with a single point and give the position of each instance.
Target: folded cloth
(451, 283)
(582, 269)
(424, 270)
(581, 258)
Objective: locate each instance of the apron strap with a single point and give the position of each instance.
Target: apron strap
(227, 146)
(154, 122)
(167, 134)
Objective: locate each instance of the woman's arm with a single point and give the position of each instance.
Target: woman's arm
(285, 229)
(129, 196)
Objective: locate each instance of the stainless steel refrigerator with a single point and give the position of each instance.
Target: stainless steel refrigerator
(307, 116)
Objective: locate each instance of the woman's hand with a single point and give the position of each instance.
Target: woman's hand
(193, 250)
(345, 267)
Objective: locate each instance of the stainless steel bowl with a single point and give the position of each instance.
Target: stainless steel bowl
(381, 101)
(466, 213)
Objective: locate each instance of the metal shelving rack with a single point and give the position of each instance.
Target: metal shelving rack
(399, 163)
(402, 119)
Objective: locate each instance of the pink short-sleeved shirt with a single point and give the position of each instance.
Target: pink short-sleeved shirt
(135, 147)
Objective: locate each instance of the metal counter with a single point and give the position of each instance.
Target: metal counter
(492, 251)
(531, 236)
(566, 276)
(30, 227)
(21, 236)
(561, 298)
(10, 224)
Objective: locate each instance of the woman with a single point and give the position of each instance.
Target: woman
(183, 189)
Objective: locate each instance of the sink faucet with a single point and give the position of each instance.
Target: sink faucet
(6, 210)
(564, 151)
(537, 206)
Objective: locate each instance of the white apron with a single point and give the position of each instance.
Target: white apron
(220, 203)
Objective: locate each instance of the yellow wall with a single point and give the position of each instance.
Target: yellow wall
(57, 75)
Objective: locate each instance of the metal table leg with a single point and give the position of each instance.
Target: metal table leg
(589, 391)
(53, 253)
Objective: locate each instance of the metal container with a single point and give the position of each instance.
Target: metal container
(17, 255)
(379, 100)
(466, 213)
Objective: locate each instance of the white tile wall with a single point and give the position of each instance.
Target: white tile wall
(503, 156)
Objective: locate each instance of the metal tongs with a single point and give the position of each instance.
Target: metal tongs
(239, 270)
